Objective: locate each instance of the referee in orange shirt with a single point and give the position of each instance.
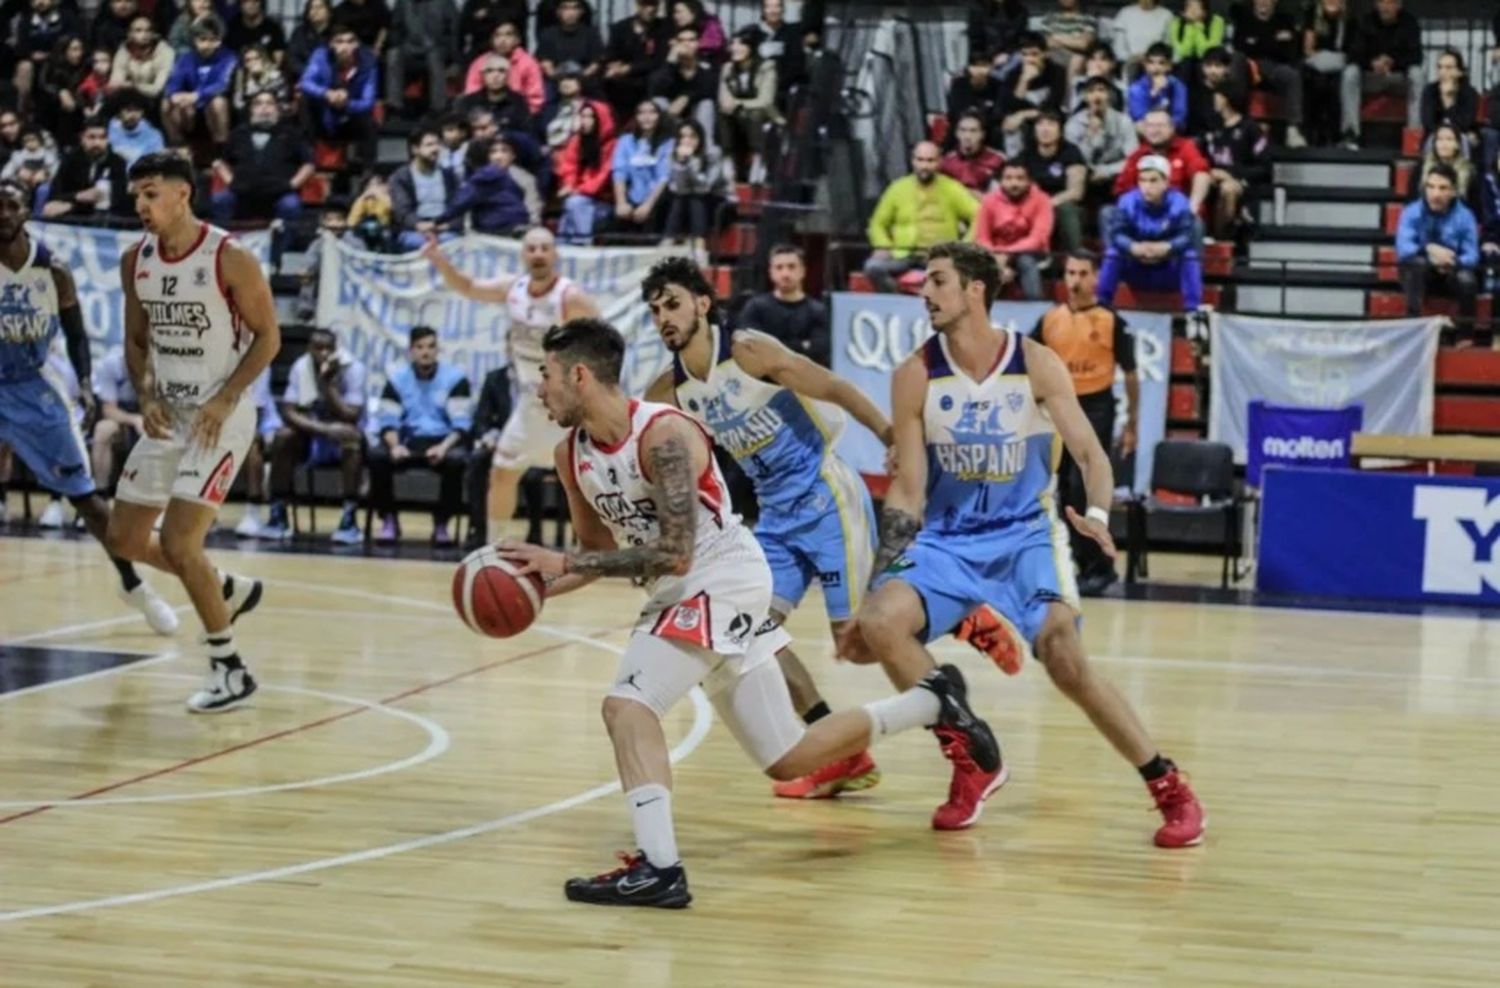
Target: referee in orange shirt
(1091, 339)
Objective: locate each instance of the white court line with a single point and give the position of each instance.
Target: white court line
(438, 742)
(69, 629)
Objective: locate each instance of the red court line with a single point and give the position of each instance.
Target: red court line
(300, 728)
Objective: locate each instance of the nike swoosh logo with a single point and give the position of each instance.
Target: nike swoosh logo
(628, 887)
(653, 799)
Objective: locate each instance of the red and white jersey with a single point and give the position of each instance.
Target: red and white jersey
(530, 318)
(195, 331)
(614, 481)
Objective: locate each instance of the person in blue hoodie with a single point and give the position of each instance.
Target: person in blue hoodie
(339, 90)
(130, 134)
(197, 92)
(1150, 240)
(1158, 89)
(490, 193)
(1437, 245)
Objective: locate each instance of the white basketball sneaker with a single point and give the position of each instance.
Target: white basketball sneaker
(52, 515)
(159, 614)
(224, 688)
(250, 526)
(241, 593)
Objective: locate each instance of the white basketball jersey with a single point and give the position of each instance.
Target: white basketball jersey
(195, 331)
(530, 318)
(614, 482)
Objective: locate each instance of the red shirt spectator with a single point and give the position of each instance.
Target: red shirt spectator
(591, 178)
(1016, 218)
(1186, 160)
(971, 162)
(525, 76)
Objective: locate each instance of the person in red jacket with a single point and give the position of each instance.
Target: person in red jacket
(1015, 223)
(1190, 170)
(584, 175)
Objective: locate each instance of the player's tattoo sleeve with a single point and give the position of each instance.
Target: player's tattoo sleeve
(671, 464)
(897, 529)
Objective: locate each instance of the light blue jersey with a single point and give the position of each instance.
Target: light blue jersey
(29, 316)
(816, 518)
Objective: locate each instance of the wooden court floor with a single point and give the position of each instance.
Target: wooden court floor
(402, 804)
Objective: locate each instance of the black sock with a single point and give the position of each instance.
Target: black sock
(816, 713)
(129, 579)
(1155, 768)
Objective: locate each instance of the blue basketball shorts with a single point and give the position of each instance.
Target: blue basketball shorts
(37, 421)
(828, 536)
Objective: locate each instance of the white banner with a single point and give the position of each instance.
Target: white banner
(1390, 367)
(373, 300)
(92, 254)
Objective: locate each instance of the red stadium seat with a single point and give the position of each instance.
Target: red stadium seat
(1184, 361)
(1406, 173)
(1265, 106)
(330, 157)
(860, 282)
(1386, 305)
(1384, 108)
(937, 127)
(1411, 141)
(1182, 402)
(1218, 260)
(738, 240)
(1385, 263)
(722, 278)
(315, 191)
(911, 282)
(1466, 413)
(1393, 217)
(1468, 368)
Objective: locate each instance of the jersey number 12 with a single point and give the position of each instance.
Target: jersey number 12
(169, 284)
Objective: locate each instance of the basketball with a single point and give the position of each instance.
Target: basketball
(492, 597)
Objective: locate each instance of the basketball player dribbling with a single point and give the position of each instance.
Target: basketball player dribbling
(647, 502)
(200, 326)
(780, 416)
(535, 302)
(969, 521)
(38, 300)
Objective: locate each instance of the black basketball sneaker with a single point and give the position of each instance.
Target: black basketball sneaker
(637, 882)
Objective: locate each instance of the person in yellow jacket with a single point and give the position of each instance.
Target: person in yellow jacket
(914, 213)
(1195, 31)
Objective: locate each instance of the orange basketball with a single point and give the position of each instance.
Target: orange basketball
(491, 596)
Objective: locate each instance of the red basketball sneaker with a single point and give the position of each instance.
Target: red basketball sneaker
(850, 774)
(970, 787)
(1180, 808)
(992, 635)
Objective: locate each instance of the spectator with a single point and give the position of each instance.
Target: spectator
(1015, 223)
(1100, 63)
(481, 127)
(686, 84)
(637, 47)
(424, 420)
(491, 195)
(1489, 231)
(642, 167)
(1103, 135)
(786, 311)
(197, 93)
(747, 106)
(1326, 37)
(1091, 339)
(90, 180)
(34, 163)
(322, 413)
(584, 170)
(112, 26)
(779, 41)
(119, 425)
(143, 64)
(1192, 34)
(1238, 160)
(180, 35)
(977, 90)
(338, 93)
(1268, 37)
(1450, 99)
(1151, 239)
(1218, 71)
(498, 97)
(523, 73)
(263, 169)
(915, 212)
(1158, 89)
(10, 135)
(547, 14)
(95, 87)
(995, 28)
(1385, 56)
(369, 19)
(1037, 84)
(454, 130)
(37, 35)
(971, 163)
(312, 33)
(421, 190)
(562, 117)
(424, 39)
(689, 14)
(257, 73)
(1437, 245)
(56, 102)
(250, 27)
(570, 40)
(700, 188)
(369, 223)
(1137, 28)
(1187, 168)
(1448, 147)
(130, 133)
(1070, 34)
(477, 20)
(1058, 169)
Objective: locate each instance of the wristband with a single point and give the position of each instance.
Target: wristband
(1097, 514)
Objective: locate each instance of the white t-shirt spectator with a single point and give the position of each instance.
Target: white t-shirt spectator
(1137, 29)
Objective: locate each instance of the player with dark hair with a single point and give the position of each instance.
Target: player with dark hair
(200, 326)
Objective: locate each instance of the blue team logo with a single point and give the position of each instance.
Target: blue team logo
(1016, 400)
(946, 404)
(21, 319)
(732, 386)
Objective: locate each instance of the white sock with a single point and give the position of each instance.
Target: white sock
(651, 813)
(915, 708)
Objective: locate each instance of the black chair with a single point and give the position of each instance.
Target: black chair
(1203, 471)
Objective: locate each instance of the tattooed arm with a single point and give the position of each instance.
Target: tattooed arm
(901, 518)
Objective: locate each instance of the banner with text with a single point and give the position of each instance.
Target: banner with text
(1388, 367)
(373, 300)
(872, 334)
(93, 254)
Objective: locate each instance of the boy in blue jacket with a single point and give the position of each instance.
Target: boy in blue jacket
(1437, 245)
(197, 92)
(1159, 89)
(1150, 240)
(339, 92)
